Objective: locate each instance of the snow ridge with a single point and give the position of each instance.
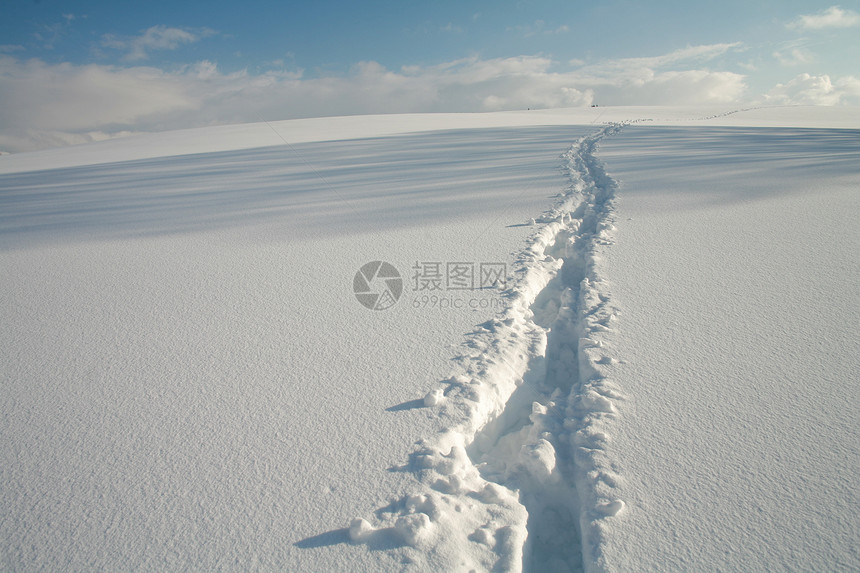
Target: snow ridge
(521, 479)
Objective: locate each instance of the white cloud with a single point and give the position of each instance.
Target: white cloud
(793, 57)
(155, 38)
(670, 79)
(806, 89)
(833, 17)
(682, 87)
(689, 54)
(45, 103)
(65, 97)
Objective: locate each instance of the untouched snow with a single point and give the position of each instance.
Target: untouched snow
(667, 380)
(741, 348)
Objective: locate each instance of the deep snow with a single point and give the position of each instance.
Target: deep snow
(737, 267)
(669, 374)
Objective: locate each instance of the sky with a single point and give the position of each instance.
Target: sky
(85, 70)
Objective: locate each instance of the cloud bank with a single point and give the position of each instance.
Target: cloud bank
(47, 105)
(833, 17)
(806, 89)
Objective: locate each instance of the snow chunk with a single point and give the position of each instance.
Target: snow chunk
(359, 530)
(415, 529)
(539, 459)
(611, 508)
(483, 536)
(434, 397)
(594, 402)
(452, 484)
(494, 493)
(423, 504)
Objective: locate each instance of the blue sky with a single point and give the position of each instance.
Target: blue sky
(80, 70)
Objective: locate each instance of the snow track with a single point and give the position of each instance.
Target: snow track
(522, 478)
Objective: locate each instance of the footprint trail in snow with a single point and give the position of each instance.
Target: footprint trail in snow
(522, 478)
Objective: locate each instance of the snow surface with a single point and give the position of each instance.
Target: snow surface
(741, 348)
(667, 382)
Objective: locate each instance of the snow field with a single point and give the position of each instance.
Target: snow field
(735, 265)
(188, 377)
(666, 383)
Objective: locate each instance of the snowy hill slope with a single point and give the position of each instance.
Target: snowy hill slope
(189, 380)
(741, 343)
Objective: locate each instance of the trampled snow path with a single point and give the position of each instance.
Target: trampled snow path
(522, 474)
